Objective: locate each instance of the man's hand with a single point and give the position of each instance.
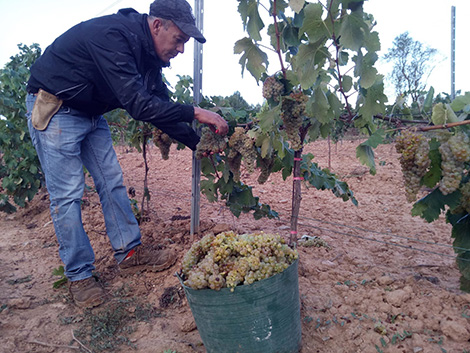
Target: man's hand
(215, 122)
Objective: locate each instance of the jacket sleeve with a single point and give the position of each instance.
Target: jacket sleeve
(113, 56)
(183, 133)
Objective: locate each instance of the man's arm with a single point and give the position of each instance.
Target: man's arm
(215, 122)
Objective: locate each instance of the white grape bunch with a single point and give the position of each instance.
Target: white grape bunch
(455, 152)
(228, 259)
(272, 88)
(414, 161)
(210, 143)
(292, 113)
(243, 147)
(266, 165)
(163, 142)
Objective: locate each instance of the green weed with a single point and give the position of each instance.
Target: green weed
(60, 271)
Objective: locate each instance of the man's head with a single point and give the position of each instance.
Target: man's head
(180, 13)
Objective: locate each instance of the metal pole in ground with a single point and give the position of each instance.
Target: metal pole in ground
(196, 164)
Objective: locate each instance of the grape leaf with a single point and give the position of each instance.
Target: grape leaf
(365, 69)
(372, 42)
(461, 102)
(365, 152)
(269, 118)
(335, 106)
(374, 102)
(429, 100)
(352, 32)
(431, 206)
(313, 23)
(347, 83)
(318, 106)
(254, 59)
(460, 232)
(296, 5)
(309, 62)
(290, 34)
(432, 177)
(443, 114)
(251, 19)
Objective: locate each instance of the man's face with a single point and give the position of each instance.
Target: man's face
(168, 40)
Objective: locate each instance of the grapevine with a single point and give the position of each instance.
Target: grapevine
(228, 259)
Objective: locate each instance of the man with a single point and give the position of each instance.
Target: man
(105, 63)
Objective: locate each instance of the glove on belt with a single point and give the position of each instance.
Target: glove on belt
(45, 106)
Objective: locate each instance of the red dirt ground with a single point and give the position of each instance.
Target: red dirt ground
(386, 282)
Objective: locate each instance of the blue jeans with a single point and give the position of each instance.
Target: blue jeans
(72, 140)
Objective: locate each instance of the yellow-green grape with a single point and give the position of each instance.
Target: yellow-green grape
(196, 279)
(292, 113)
(455, 152)
(272, 88)
(266, 165)
(243, 144)
(196, 252)
(414, 161)
(460, 146)
(231, 260)
(163, 142)
(210, 143)
(216, 281)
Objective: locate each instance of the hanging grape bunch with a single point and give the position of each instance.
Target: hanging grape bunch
(272, 88)
(414, 161)
(455, 152)
(292, 113)
(210, 143)
(163, 142)
(241, 146)
(228, 259)
(266, 165)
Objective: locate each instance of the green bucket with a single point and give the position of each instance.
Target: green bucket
(263, 317)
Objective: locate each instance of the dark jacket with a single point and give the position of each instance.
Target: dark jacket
(110, 62)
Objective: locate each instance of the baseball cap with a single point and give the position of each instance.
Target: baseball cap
(181, 13)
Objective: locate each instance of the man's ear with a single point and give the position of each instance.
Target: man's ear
(156, 25)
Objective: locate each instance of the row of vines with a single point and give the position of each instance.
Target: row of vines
(322, 83)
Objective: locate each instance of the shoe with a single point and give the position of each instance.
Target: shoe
(143, 258)
(87, 293)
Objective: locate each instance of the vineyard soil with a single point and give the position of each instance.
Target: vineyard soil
(379, 280)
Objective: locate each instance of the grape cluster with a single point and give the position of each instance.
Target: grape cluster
(266, 165)
(455, 152)
(163, 142)
(241, 147)
(228, 259)
(292, 113)
(210, 143)
(272, 88)
(465, 197)
(414, 160)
